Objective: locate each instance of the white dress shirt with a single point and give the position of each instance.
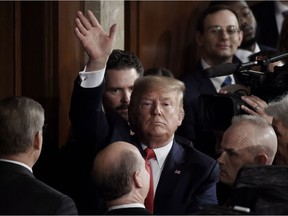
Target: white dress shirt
(243, 54)
(217, 81)
(158, 163)
(18, 163)
(91, 79)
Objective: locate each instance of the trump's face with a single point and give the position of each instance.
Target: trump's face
(158, 115)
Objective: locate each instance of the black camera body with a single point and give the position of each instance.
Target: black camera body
(217, 110)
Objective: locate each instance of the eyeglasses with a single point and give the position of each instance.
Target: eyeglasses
(217, 30)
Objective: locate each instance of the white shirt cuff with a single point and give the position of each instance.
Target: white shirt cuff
(91, 79)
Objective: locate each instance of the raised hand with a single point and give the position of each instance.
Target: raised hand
(96, 42)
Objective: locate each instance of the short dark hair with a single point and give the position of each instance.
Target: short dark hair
(120, 59)
(211, 10)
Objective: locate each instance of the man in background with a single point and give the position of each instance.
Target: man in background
(278, 110)
(270, 16)
(218, 37)
(248, 25)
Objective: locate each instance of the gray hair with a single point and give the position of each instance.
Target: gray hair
(20, 119)
(278, 109)
(251, 119)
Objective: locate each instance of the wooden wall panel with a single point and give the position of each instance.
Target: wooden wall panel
(161, 33)
(71, 61)
(7, 51)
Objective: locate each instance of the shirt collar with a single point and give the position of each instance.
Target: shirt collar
(280, 7)
(161, 153)
(129, 205)
(244, 54)
(216, 81)
(18, 163)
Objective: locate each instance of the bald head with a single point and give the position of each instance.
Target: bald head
(249, 140)
(114, 168)
(257, 133)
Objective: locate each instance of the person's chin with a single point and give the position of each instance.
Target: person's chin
(124, 114)
(223, 177)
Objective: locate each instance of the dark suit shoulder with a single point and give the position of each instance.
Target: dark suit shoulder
(184, 141)
(31, 195)
(193, 155)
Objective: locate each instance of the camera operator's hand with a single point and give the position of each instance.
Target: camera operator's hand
(257, 106)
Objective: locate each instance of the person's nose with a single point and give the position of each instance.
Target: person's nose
(126, 97)
(224, 34)
(156, 110)
(220, 159)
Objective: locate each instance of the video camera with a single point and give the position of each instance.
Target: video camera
(219, 109)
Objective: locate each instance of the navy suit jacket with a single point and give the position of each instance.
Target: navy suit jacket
(21, 193)
(189, 177)
(267, 31)
(192, 127)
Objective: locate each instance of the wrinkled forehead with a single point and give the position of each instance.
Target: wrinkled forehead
(159, 93)
(238, 136)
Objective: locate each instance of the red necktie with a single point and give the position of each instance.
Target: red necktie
(149, 201)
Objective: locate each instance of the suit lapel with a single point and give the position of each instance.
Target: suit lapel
(171, 173)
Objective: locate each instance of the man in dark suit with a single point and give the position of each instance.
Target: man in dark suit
(248, 25)
(218, 37)
(122, 69)
(184, 179)
(249, 140)
(21, 122)
(125, 184)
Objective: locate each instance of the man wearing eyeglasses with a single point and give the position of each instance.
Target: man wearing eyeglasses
(218, 36)
(248, 25)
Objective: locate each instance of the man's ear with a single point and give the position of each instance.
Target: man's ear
(198, 38)
(37, 144)
(262, 159)
(137, 179)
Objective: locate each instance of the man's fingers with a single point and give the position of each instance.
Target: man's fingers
(78, 34)
(80, 27)
(83, 20)
(112, 32)
(93, 19)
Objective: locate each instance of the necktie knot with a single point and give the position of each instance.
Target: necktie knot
(149, 153)
(227, 81)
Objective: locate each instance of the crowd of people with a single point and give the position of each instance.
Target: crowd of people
(139, 144)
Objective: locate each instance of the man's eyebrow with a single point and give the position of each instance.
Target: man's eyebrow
(229, 149)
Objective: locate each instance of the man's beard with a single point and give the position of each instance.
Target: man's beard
(247, 44)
